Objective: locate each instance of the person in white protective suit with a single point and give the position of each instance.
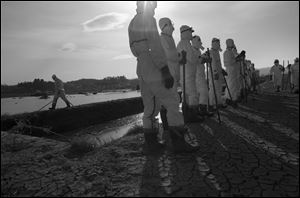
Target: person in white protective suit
(295, 75)
(254, 79)
(156, 83)
(168, 44)
(173, 58)
(191, 96)
(248, 75)
(276, 74)
(201, 84)
(233, 69)
(59, 92)
(217, 75)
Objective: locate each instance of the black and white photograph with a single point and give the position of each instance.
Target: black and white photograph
(149, 98)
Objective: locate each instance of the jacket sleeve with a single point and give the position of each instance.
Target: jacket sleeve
(154, 42)
(171, 52)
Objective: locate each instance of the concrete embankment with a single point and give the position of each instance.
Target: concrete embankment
(63, 120)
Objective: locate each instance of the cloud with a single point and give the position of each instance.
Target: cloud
(121, 57)
(68, 47)
(109, 21)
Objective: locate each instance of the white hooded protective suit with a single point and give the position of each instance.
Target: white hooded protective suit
(295, 75)
(248, 74)
(276, 72)
(190, 68)
(217, 71)
(201, 84)
(169, 46)
(145, 44)
(232, 69)
(59, 91)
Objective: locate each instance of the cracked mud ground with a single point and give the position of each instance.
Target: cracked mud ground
(254, 152)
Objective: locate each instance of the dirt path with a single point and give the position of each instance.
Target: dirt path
(254, 152)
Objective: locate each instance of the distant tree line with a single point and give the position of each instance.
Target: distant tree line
(72, 87)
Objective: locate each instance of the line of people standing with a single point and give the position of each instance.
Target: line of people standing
(163, 67)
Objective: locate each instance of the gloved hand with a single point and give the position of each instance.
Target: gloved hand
(241, 56)
(183, 57)
(167, 78)
(224, 72)
(205, 59)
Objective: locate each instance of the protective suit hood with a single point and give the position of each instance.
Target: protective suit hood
(230, 44)
(146, 7)
(215, 44)
(196, 42)
(164, 22)
(186, 32)
(166, 25)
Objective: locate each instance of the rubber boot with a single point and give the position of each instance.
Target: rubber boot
(192, 115)
(163, 116)
(234, 104)
(68, 104)
(278, 89)
(212, 108)
(222, 106)
(151, 144)
(181, 140)
(203, 111)
(53, 106)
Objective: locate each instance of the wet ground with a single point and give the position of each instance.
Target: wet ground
(253, 152)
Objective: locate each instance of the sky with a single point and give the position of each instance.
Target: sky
(89, 39)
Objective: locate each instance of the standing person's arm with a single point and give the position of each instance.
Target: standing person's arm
(154, 42)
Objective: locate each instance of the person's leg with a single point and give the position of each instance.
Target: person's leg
(64, 98)
(203, 97)
(192, 98)
(55, 97)
(178, 138)
(151, 109)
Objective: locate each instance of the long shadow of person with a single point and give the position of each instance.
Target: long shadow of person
(169, 174)
(150, 184)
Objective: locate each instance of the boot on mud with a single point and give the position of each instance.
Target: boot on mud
(203, 111)
(53, 106)
(222, 106)
(151, 144)
(234, 104)
(212, 108)
(191, 115)
(278, 89)
(181, 140)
